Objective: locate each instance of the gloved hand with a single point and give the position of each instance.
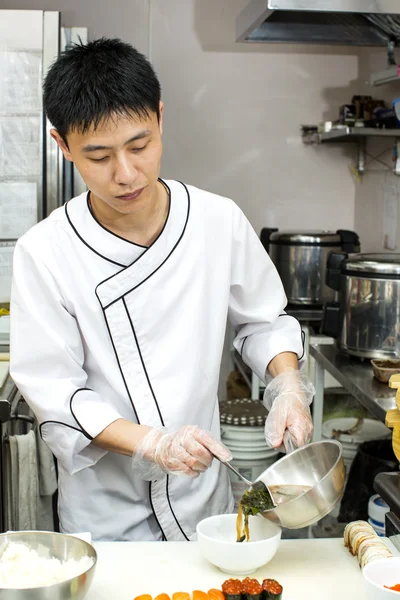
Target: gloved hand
(187, 451)
(288, 397)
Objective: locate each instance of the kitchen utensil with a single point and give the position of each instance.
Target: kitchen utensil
(377, 574)
(313, 476)
(365, 320)
(255, 485)
(300, 259)
(217, 542)
(60, 546)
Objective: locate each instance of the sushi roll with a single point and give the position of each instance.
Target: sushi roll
(232, 589)
(354, 531)
(252, 589)
(272, 589)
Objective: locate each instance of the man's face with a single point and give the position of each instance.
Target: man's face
(119, 161)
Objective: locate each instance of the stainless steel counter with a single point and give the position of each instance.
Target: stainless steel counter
(356, 376)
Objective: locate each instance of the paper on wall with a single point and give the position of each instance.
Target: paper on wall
(21, 80)
(389, 217)
(20, 146)
(18, 208)
(6, 258)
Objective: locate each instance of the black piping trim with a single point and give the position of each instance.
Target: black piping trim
(151, 245)
(134, 333)
(159, 266)
(243, 343)
(65, 425)
(143, 365)
(155, 515)
(303, 335)
(128, 241)
(117, 359)
(73, 414)
(86, 244)
(169, 502)
(105, 228)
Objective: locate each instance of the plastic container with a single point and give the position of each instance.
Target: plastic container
(251, 455)
(377, 509)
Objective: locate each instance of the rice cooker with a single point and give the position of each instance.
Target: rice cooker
(366, 320)
(300, 259)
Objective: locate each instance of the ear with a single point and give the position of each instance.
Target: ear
(61, 144)
(161, 116)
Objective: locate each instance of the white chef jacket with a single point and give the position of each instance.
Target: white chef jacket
(102, 329)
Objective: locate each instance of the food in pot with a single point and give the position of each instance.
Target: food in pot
(251, 503)
(362, 541)
(259, 500)
(272, 589)
(22, 567)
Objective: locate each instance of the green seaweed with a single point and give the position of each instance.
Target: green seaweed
(256, 501)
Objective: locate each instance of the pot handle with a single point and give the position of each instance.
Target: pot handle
(334, 269)
(331, 319)
(265, 236)
(349, 240)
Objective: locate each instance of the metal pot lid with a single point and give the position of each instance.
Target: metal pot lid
(379, 264)
(306, 238)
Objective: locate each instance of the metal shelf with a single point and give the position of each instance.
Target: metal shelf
(353, 134)
(356, 135)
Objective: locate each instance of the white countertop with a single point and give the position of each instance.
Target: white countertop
(307, 569)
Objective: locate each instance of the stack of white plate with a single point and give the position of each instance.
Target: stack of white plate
(251, 455)
(369, 430)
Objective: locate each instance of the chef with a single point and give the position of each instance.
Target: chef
(119, 306)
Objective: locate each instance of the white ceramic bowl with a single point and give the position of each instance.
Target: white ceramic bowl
(379, 573)
(217, 540)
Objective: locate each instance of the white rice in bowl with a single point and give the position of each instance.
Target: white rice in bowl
(22, 567)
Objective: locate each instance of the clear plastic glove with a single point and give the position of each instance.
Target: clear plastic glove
(288, 397)
(187, 451)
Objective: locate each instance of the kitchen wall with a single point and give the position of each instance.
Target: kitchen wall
(127, 19)
(374, 218)
(233, 111)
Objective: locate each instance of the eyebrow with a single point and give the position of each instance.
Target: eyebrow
(138, 136)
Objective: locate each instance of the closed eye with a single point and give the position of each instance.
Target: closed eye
(139, 148)
(99, 159)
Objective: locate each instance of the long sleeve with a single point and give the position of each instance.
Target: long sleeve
(257, 303)
(46, 364)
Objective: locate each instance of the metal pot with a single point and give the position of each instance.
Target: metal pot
(300, 259)
(365, 321)
(320, 468)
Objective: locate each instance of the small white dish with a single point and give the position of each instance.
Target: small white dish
(381, 572)
(217, 541)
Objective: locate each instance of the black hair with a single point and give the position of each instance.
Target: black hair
(91, 83)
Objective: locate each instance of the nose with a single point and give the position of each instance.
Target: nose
(125, 171)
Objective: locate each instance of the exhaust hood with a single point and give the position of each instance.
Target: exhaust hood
(339, 22)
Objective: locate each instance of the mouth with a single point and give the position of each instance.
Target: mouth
(131, 196)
